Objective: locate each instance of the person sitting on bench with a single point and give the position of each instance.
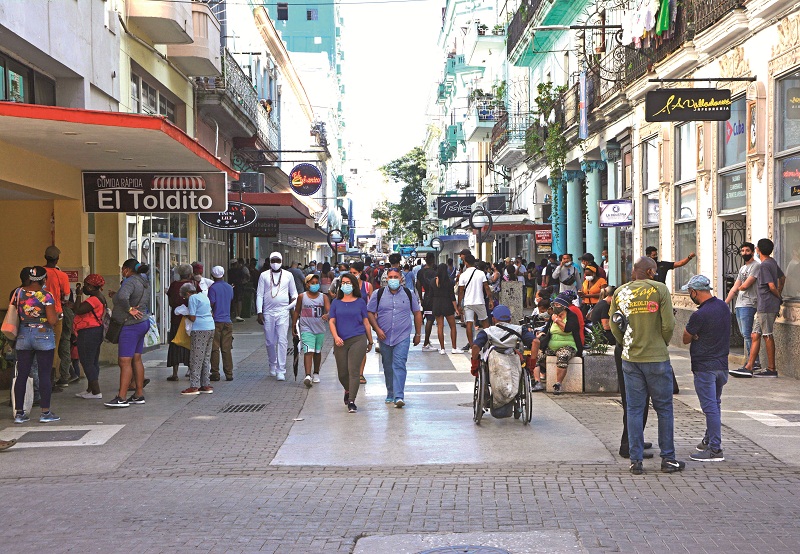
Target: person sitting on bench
(561, 338)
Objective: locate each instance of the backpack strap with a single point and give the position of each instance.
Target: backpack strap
(511, 333)
(380, 294)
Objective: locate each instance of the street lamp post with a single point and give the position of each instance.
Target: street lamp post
(479, 219)
(335, 237)
(436, 244)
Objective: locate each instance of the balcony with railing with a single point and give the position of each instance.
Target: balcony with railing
(508, 138)
(519, 24)
(483, 111)
(639, 62)
(709, 12)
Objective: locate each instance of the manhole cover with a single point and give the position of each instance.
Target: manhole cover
(464, 549)
(242, 408)
(53, 436)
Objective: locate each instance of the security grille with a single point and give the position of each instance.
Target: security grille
(242, 408)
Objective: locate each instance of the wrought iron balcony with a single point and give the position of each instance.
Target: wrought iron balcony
(508, 138)
(638, 62)
(708, 12)
(519, 23)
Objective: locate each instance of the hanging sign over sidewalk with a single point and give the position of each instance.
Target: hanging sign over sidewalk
(237, 216)
(454, 206)
(616, 213)
(305, 179)
(118, 192)
(688, 104)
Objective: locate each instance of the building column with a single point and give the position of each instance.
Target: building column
(574, 213)
(613, 233)
(558, 217)
(594, 235)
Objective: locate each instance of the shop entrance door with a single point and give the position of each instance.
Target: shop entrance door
(162, 277)
(733, 235)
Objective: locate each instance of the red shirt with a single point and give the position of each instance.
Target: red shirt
(57, 285)
(91, 319)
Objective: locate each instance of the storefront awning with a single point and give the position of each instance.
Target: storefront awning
(448, 238)
(282, 205)
(105, 141)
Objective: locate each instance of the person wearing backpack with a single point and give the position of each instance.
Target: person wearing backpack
(566, 275)
(91, 321)
(390, 315)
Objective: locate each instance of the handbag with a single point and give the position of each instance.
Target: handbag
(114, 329)
(10, 326)
(182, 338)
(152, 338)
(570, 280)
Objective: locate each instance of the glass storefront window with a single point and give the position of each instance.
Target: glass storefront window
(685, 152)
(685, 244)
(732, 191)
(788, 113)
(651, 209)
(2, 80)
(686, 202)
(649, 164)
(788, 255)
(651, 238)
(788, 177)
(732, 136)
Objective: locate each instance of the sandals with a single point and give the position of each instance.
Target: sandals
(173, 378)
(363, 380)
(4, 445)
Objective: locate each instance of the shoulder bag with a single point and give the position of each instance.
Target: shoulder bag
(10, 326)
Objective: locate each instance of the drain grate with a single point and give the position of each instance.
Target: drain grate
(464, 549)
(242, 408)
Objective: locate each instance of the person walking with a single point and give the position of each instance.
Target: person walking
(444, 306)
(220, 296)
(643, 326)
(745, 292)
(131, 310)
(202, 340)
(424, 282)
(312, 314)
(708, 334)
(58, 287)
(770, 297)
(275, 297)
(88, 323)
(473, 290)
(36, 339)
(176, 354)
(237, 280)
(390, 312)
(349, 324)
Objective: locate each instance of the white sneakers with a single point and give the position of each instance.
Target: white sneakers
(315, 379)
(442, 351)
(281, 377)
(307, 381)
(455, 351)
(428, 348)
(88, 395)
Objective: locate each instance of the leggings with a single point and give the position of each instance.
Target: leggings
(44, 359)
(89, 342)
(348, 363)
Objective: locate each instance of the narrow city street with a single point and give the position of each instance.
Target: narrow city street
(297, 473)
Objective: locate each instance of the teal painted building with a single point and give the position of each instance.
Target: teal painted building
(313, 27)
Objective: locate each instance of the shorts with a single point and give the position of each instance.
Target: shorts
(478, 310)
(312, 342)
(764, 323)
(131, 338)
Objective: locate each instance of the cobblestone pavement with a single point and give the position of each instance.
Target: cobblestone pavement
(202, 482)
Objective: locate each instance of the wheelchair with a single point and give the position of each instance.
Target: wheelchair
(482, 395)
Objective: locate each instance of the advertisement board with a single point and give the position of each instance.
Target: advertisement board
(688, 104)
(454, 206)
(237, 216)
(616, 213)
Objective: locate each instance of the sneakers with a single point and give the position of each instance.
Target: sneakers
(116, 403)
(307, 381)
(399, 403)
(671, 466)
(351, 407)
(74, 378)
(62, 382)
(315, 378)
(537, 387)
(702, 446)
(455, 351)
(238, 319)
(765, 373)
(636, 468)
(556, 388)
(272, 373)
(136, 399)
(389, 400)
(88, 395)
(48, 417)
(466, 348)
(281, 377)
(741, 372)
(442, 351)
(191, 391)
(428, 348)
(214, 377)
(205, 390)
(21, 417)
(229, 378)
(708, 455)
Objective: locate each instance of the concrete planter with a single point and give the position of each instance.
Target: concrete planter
(600, 373)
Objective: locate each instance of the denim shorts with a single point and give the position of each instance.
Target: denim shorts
(36, 337)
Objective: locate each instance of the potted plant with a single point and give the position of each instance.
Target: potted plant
(482, 29)
(499, 30)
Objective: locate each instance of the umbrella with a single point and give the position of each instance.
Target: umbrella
(296, 345)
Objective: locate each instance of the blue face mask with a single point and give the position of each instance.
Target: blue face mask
(394, 284)
(347, 288)
(314, 288)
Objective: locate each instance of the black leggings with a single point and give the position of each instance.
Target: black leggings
(44, 359)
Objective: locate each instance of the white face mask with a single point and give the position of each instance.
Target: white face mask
(276, 266)
(590, 277)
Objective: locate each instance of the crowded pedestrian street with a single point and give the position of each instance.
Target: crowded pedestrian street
(298, 473)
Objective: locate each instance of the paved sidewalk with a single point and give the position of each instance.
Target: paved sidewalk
(182, 476)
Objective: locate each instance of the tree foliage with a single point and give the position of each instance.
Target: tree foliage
(403, 219)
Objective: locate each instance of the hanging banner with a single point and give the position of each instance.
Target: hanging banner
(305, 179)
(237, 216)
(688, 104)
(616, 213)
(454, 206)
(583, 127)
(120, 192)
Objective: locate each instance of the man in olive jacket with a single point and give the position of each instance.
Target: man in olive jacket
(642, 322)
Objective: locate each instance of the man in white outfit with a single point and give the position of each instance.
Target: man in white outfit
(275, 298)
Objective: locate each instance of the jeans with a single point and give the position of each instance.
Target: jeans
(89, 342)
(394, 367)
(708, 385)
(624, 449)
(655, 379)
(34, 343)
(744, 317)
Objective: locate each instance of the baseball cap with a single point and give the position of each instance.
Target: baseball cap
(217, 271)
(501, 313)
(52, 253)
(311, 276)
(697, 282)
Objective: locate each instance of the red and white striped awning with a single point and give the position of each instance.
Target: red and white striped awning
(179, 182)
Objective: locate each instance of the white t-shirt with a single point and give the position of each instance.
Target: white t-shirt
(473, 294)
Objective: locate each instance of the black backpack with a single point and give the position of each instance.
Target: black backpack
(380, 293)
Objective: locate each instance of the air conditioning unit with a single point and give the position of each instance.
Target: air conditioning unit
(538, 212)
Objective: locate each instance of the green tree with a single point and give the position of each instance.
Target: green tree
(406, 216)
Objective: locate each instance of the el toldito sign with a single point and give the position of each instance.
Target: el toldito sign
(120, 192)
(237, 216)
(616, 213)
(688, 104)
(305, 179)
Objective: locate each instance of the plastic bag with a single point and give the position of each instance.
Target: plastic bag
(182, 338)
(152, 338)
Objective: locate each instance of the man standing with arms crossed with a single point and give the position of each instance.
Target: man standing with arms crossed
(642, 322)
(473, 288)
(744, 290)
(275, 297)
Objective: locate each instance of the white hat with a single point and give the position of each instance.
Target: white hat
(275, 255)
(217, 271)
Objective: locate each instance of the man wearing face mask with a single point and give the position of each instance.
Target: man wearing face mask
(664, 266)
(197, 274)
(275, 297)
(709, 335)
(744, 290)
(390, 316)
(566, 275)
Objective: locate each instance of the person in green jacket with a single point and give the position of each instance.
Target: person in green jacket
(642, 322)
